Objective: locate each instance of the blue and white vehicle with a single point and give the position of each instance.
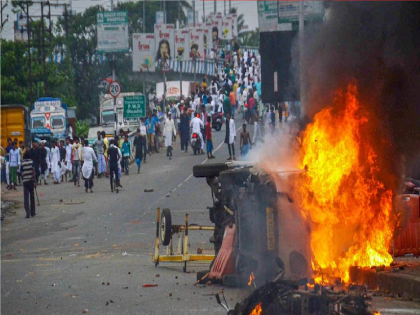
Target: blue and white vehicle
(49, 113)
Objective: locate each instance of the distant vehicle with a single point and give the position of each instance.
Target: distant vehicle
(71, 119)
(15, 123)
(49, 113)
(106, 111)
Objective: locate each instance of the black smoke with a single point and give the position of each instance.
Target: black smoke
(376, 45)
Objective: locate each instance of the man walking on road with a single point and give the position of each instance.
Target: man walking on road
(113, 158)
(14, 160)
(69, 167)
(99, 146)
(138, 144)
(87, 169)
(169, 132)
(35, 158)
(230, 136)
(126, 151)
(150, 125)
(43, 155)
(28, 179)
(76, 160)
(55, 160)
(184, 130)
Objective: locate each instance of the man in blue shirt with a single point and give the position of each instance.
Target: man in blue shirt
(126, 151)
(150, 126)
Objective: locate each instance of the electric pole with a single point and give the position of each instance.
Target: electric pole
(43, 48)
(28, 26)
(144, 31)
(204, 14)
(224, 4)
(230, 6)
(193, 3)
(215, 7)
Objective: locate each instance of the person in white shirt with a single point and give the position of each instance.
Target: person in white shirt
(55, 160)
(48, 158)
(196, 126)
(69, 166)
(14, 164)
(230, 137)
(169, 131)
(76, 161)
(87, 169)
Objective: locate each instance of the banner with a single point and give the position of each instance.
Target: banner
(207, 42)
(144, 52)
(173, 89)
(226, 31)
(112, 30)
(196, 43)
(268, 15)
(165, 40)
(234, 25)
(182, 44)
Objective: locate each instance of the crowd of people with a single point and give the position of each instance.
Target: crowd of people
(234, 91)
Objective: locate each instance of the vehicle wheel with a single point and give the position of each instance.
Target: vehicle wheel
(218, 125)
(165, 227)
(209, 170)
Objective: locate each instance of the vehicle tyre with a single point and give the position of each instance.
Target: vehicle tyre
(165, 227)
(218, 125)
(209, 170)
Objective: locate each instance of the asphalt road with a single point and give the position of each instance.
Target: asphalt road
(95, 253)
(61, 261)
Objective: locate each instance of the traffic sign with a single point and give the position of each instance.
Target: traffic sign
(114, 89)
(134, 106)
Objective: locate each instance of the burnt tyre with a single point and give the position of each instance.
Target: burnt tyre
(165, 227)
(209, 170)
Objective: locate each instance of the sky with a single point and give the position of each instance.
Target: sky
(247, 8)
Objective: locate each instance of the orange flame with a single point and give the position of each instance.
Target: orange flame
(257, 310)
(348, 207)
(251, 278)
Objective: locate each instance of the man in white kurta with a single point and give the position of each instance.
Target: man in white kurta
(69, 166)
(169, 132)
(196, 126)
(55, 159)
(87, 169)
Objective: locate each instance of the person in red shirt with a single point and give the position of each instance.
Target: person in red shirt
(209, 139)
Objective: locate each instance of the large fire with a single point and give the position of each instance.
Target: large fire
(350, 210)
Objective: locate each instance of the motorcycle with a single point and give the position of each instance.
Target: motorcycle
(217, 121)
(196, 143)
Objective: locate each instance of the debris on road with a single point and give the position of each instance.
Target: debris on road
(74, 203)
(148, 190)
(158, 275)
(85, 310)
(149, 285)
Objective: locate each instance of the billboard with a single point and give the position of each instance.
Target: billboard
(165, 40)
(288, 11)
(144, 52)
(112, 29)
(196, 42)
(182, 44)
(268, 15)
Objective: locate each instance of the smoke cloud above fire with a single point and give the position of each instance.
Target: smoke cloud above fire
(375, 45)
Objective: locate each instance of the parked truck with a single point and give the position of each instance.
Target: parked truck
(15, 123)
(49, 113)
